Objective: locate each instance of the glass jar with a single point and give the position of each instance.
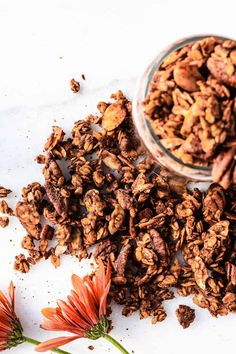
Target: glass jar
(144, 129)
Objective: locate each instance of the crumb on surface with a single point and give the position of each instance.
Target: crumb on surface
(74, 85)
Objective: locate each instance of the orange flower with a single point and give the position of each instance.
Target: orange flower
(10, 326)
(84, 312)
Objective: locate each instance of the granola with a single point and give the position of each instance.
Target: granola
(5, 209)
(185, 315)
(4, 192)
(155, 232)
(74, 86)
(4, 221)
(191, 106)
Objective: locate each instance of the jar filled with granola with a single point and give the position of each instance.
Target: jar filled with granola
(184, 109)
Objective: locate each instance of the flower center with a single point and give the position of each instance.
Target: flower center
(15, 337)
(98, 330)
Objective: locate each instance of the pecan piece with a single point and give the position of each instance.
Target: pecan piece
(160, 247)
(124, 199)
(222, 71)
(231, 272)
(223, 166)
(59, 202)
(121, 262)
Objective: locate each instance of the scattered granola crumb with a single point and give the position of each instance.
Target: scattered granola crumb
(21, 264)
(83, 77)
(4, 192)
(40, 159)
(91, 347)
(185, 315)
(74, 85)
(4, 221)
(4, 208)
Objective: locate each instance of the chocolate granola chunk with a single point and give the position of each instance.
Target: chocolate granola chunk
(21, 264)
(185, 315)
(5, 209)
(4, 221)
(214, 204)
(29, 217)
(74, 85)
(4, 192)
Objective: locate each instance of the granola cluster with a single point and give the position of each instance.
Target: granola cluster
(191, 106)
(4, 208)
(74, 85)
(156, 234)
(185, 315)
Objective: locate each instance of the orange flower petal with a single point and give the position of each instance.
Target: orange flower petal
(75, 300)
(56, 326)
(103, 302)
(72, 316)
(11, 294)
(6, 326)
(76, 282)
(102, 278)
(4, 302)
(54, 315)
(91, 289)
(48, 312)
(54, 343)
(88, 302)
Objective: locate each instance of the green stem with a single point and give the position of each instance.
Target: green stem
(36, 342)
(115, 343)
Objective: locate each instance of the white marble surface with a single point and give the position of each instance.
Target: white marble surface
(43, 45)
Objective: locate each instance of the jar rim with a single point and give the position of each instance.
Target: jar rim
(142, 91)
